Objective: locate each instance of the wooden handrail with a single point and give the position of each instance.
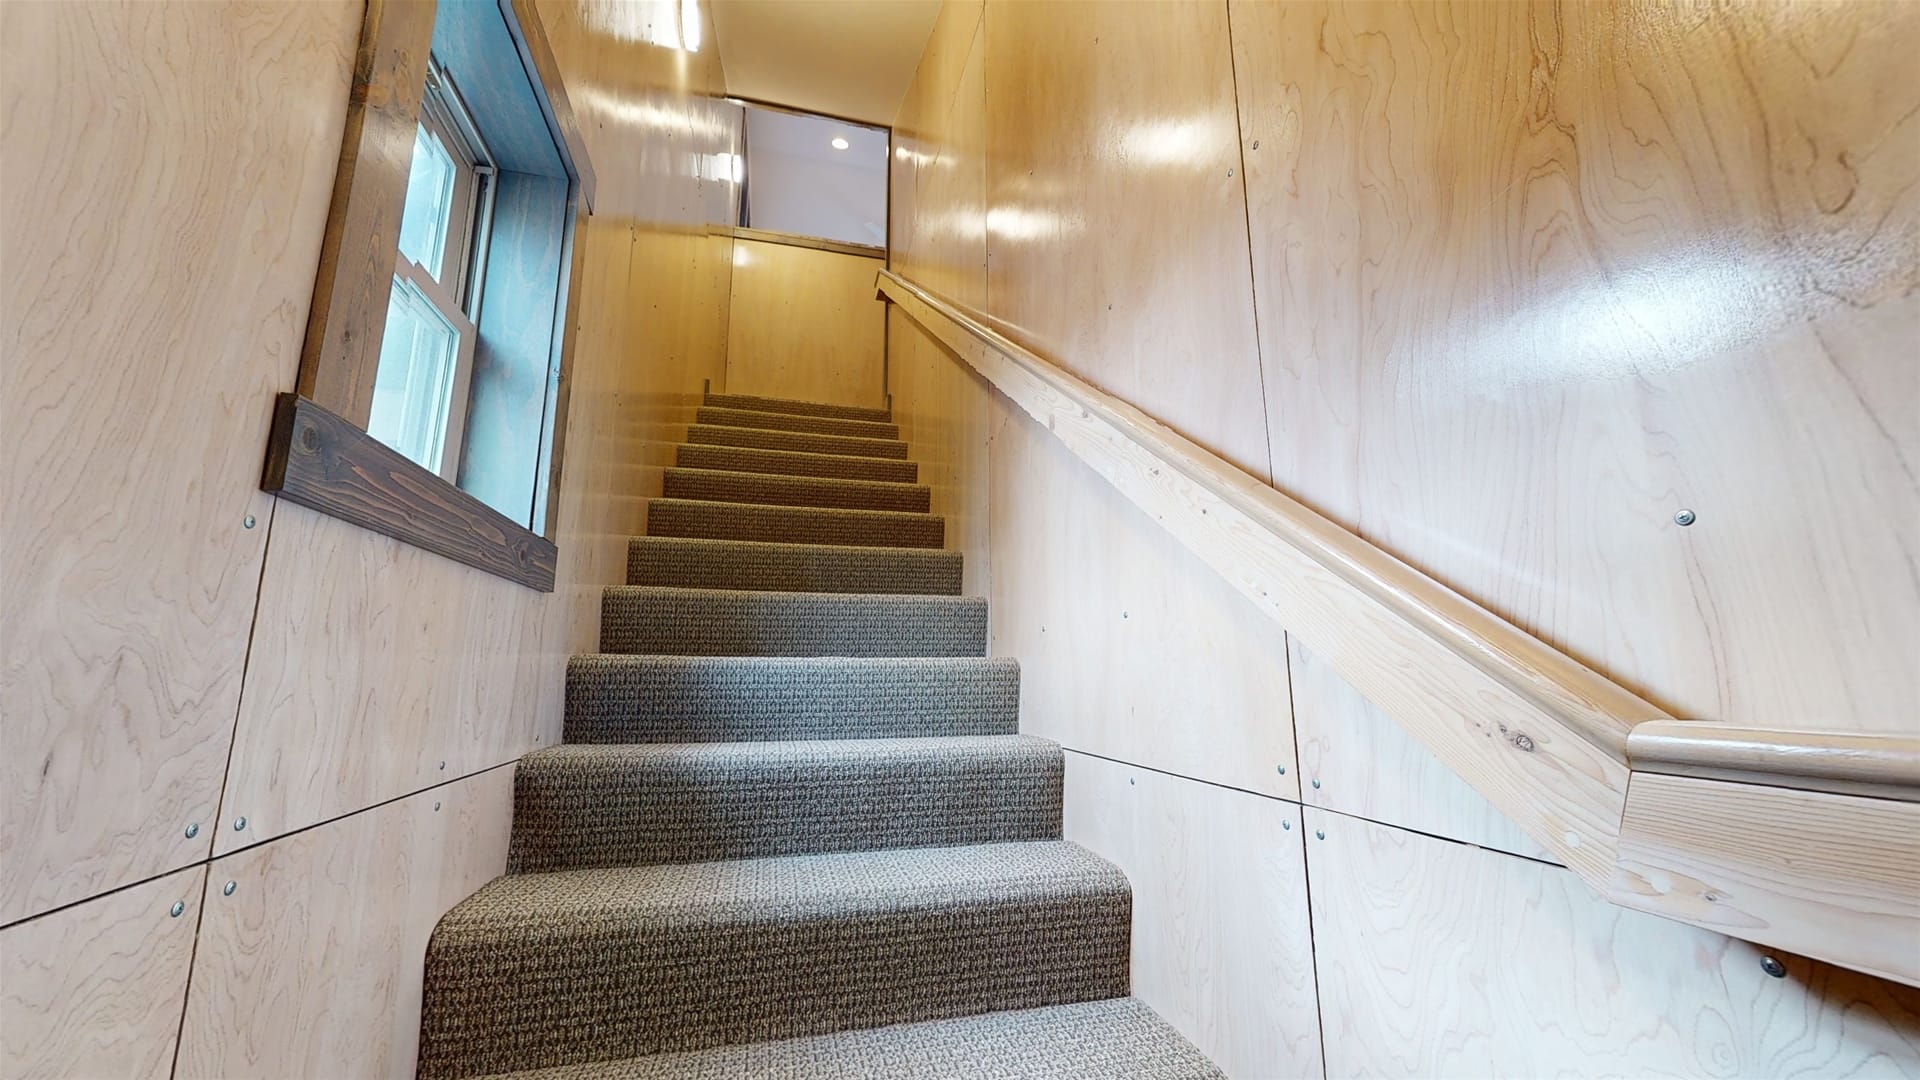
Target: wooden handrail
(1550, 742)
(1600, 711)
(1846, 763)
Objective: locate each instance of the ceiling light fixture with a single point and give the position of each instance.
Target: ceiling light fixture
(839, 143)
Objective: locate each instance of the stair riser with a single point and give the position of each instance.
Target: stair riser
(797, 441)
(633, 700)
(818, 425)
(793, 524)
(611, 810)
(764, 490)
(787, 624)
(594, 991)
(790, 463)
(694, 563)
(797, 408)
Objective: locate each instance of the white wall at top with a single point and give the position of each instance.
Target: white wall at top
(798, 183)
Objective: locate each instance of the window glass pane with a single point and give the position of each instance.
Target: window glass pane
(815, 177)
(412, 390)
(423, 225)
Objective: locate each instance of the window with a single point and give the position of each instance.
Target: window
(815, 176)
(426, 356)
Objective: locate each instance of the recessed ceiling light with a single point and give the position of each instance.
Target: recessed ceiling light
(839, 143)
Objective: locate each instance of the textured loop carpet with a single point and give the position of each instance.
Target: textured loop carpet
(779, 421)
(668, 699)
(750, 487)
(795, 463)
(763, 439)
(698, 563)
(793, 524)
(793, 830)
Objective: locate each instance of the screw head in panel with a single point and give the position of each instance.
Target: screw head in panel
(178, 909)
(1772, 966)
(443, 766)
(1282, 769)
(249, 522)
(1286, 824)
(1684, 518)
(1316, 781)
(436, 806)
(240, 823)
(193, 829)
(227, 889)
(1319, 834)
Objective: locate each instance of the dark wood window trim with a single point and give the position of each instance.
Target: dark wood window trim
(322, 462)
(319, 454)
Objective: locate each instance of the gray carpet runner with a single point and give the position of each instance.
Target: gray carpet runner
(793, 830)
(697, 563)
(763, 439)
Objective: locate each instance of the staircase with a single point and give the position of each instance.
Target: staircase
(793, 830)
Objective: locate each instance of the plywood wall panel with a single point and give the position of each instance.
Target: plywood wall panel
(1116, 223)
(1130, 647)
(803, 323)
(312, 966)
(948, 417)
(1357, 760)
(1533, 278)
(95, 990)
(939, 163)
(168, 170)
(1222, 948)
(378, 669)
(1438, 959)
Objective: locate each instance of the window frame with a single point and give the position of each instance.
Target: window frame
(319, 454)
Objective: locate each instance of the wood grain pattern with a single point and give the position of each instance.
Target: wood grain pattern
(1438, 959)
(947, 415)
(1116, 227)
(349, 310)
(95, 990)
(1831, 876)
(804, 324)
(1356, 760)
(135, 396)
(320, 461)
(1130, 647)
(536, 53)
(1221, 944)
(1539, 736)
(1882, 766)
(312, 967)
(1533, 277)
(937, 182)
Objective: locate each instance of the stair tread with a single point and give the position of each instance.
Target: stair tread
(784, 421)
(792, 753)
(749, 459)
(1091, 1040)
(772, 566)
(624, 698)
(646, 803)
(539, 970)
(798, 888)
(714, 520)
(772, 489)
(671, 621)
(766, 439)
(793, 405)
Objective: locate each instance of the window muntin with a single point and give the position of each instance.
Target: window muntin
(426, 353)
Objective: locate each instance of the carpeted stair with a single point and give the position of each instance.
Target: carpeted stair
(793, 830)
